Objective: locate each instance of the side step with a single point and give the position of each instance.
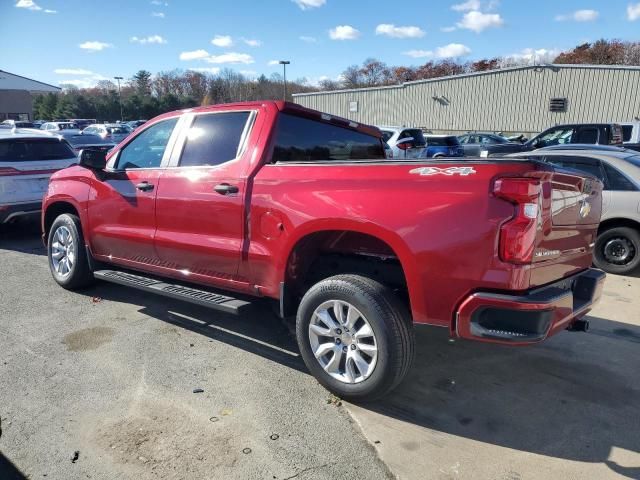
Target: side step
(179, 292)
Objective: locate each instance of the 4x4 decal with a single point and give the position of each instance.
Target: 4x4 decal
(449, 171)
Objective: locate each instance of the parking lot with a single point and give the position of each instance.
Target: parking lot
(100, 384)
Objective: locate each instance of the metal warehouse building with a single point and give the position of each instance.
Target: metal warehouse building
(512, 100)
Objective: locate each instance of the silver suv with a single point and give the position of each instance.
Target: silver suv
(405, 142)
(617, 248)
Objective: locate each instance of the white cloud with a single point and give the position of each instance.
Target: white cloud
(230, 58)
(271, 63)
(537, 56)
(252, 43)
(159, 2)
(448, 51)
(391, 30)
(344, 32)
(46, 10)
(308, 39)
(222, 41)
(157, 14)
(157, 39)
(93, 46)
(478, 21)
(212, 70)
(633, 12)
(249, 73)
(73, 71)
(28, 4)
(307, 4)
(452, 50)
(448, 29)
(579, 16)
(466, 6)
(194, 55)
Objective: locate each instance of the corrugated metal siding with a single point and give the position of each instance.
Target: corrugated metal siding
(514, 100)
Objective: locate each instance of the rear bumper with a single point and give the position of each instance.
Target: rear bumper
(9, 212)
(532, 317)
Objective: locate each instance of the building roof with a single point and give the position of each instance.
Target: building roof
(11, 81)
(498, 71)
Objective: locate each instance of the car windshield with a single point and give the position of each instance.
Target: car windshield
(24, 150)
(67, 126)
(443, 141)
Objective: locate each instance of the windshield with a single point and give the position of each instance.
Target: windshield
(67, 126)
(118, 130)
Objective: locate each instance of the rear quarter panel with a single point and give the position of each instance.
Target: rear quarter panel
(443, 228)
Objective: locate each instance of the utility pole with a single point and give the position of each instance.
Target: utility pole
(119, 97)
(284, 64)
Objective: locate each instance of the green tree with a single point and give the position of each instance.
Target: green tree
(141, 81)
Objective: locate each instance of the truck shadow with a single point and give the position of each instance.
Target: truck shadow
(22, 236)
(574, 397)
(8, 471)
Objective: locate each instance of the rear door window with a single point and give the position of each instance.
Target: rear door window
(592, 166)
(146, 149)
(586, 135)
(33, 150)
(214, 139)
(300, 139)
(617, 181)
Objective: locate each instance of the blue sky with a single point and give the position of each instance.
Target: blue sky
(80, 42)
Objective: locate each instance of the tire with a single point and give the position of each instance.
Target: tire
(617, 250)
(67, 254)
(390, 325)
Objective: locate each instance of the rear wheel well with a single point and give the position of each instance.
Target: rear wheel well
(325, 254)
(54, 211)
(618, 222)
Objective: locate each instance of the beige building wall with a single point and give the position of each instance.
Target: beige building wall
(513, 100)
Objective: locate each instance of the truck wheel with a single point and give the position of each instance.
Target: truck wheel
(355, 336)
(67, 254)
(617, 250)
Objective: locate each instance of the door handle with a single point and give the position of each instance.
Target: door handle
(144, 186)
(225, 189)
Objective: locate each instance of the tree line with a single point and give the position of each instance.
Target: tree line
(145, 95)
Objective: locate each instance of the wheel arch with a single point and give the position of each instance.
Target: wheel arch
(610, 223)
(56, 208)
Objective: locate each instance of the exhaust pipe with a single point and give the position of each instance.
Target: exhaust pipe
(579, 326)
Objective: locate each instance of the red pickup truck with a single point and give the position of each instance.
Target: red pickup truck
(269, 199)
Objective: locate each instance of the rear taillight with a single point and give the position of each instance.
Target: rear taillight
(7, 171)
(518, 235)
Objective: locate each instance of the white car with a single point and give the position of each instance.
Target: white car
(27, 160)
(56, 127)
(401, 147)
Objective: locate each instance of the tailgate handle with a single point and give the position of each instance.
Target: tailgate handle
(225, 189)
(144, 186)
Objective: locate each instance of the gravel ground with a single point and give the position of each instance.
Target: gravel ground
(110, 373)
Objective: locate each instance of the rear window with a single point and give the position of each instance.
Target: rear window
(416, 134)
(443, 141)
(27, 150)
(301, 139)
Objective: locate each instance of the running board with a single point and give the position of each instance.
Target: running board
(180, 292)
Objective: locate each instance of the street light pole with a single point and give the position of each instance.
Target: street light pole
(119, 97)
(284, 64)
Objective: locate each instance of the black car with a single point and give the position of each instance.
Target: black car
(476, 143)
(81, 141)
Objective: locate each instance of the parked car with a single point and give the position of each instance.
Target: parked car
(114, 132)
(438, 146)
(38, 123)
(404, 142)
(617, 246)
(273, 200)
(630, 132)
(477, 144)
(81, 141)
(82, 122)
(136, 123)
(55, 127)
(27, 160)
(18, 124)
(584, 133)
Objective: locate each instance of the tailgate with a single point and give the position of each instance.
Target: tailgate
(571, 209)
